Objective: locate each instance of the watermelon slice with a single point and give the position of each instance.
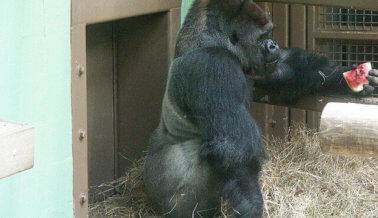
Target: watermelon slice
(356, 78)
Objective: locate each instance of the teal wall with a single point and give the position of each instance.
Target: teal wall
(184, 8)
(35, 89)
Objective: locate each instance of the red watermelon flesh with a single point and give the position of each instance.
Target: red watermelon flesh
(356, 78)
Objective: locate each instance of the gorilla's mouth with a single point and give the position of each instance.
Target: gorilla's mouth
(274, 62)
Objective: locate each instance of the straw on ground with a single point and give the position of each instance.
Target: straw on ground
(298, 181)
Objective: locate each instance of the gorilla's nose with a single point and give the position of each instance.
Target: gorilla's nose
(272, 46)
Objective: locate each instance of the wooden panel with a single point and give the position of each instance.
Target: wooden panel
(281, 21)
(366, 4)
(142, 57)
(357, 35)
(298, 26)
(16, 148)
(260, 110)
(278, 122)
(267, 7)
(297, 39)
(313, 119)
(297, 116)
(259, 113)
(96, 11)
(101, 143)
(79, 120)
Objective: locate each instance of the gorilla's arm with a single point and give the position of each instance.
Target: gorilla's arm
(209, 85)
(299, 73)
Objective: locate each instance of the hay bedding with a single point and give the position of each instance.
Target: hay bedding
(299, 181)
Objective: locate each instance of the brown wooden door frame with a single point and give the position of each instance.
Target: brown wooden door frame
(86, 12)
(79, 120)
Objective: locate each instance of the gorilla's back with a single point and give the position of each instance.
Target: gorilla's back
(173, 169)
(175, 127)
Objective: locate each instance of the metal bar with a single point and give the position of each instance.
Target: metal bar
(352, 4)
(364, 54)
(340, 18)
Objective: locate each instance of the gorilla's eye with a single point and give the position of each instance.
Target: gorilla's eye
(234, 38)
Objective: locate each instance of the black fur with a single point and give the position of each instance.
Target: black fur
(301, 73)
(207, 145)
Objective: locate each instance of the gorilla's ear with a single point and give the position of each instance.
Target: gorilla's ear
(256, 13)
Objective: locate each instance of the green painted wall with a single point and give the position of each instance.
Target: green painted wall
(184, 8)
(35, 88)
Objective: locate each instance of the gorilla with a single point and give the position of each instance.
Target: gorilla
(207, 146)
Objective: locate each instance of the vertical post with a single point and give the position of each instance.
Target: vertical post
(278, 116)
(79, 120)
(312, 117)
(297, 39)
(260, 111)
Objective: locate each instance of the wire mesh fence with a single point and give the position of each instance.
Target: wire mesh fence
(348, 52)
(347, 19)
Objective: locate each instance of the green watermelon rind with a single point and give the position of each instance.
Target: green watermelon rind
(360, 87)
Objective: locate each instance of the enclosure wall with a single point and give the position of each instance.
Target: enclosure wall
(35, 88)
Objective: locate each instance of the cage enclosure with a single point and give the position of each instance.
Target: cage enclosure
(120, 59)
(121, 51)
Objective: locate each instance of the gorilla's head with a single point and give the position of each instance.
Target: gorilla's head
(249, 29)
(240, 26)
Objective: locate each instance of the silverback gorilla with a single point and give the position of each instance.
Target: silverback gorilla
(207, 146)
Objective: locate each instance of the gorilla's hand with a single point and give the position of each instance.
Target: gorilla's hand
(373, 81)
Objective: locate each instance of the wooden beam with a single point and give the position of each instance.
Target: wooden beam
(96, 11)
(298, 39)
(349, 129)
(16, 148)
(353, 4)
(349, 35)
(316, 103)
